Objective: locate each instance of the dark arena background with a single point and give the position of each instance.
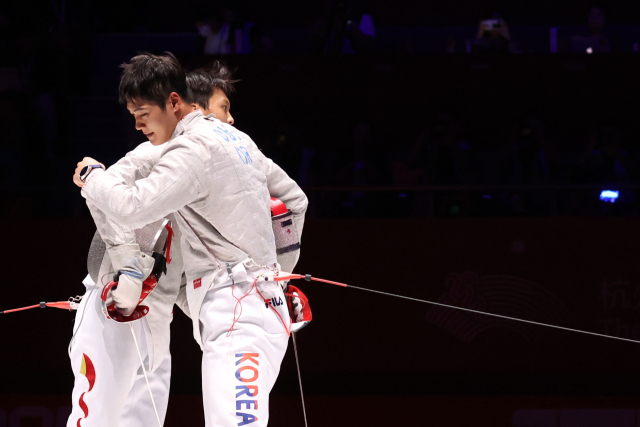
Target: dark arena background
(495, 169)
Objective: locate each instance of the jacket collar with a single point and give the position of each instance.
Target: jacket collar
(186, 122)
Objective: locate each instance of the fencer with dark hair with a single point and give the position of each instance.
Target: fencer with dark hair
(210, 86)
(217, 184)
(99, 343)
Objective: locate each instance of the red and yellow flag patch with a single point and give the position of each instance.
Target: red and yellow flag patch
(88, 371)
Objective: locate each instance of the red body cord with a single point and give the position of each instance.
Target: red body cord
(21, 309)
(239, 302)
(66, 305)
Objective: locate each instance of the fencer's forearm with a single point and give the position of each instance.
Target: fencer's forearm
(282, 187)
(136, 164)
(124, 170)
(137, 205)
(173, 183)
(122, 247)
(112, 233)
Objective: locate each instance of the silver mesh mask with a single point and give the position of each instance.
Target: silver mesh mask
(287, 241)
(146, 238)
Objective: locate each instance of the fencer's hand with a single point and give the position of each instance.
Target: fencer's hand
(85, 162)
(127, 295)
(297, 307)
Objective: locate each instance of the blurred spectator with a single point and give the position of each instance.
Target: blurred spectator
(362, 167)
(493, 36)
(450, 46)
(443, 158)
(605, 160)
(226, 33)
(343, 29)
(292, 156)
(596, 41)
(536, 158)
(536, 162)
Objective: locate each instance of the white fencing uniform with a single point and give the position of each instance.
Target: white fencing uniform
(120, 396)
(219, 184)
(110, 389)
(240, 369)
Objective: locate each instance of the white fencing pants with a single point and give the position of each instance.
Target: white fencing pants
(239, 369)
(138, 410)
(110, 389)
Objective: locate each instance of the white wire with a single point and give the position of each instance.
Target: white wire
(144, 371)
(497, 315)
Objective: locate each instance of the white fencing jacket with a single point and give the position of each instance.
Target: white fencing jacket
(218, 184)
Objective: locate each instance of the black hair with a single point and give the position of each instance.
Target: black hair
(152, 78)
(201, 83)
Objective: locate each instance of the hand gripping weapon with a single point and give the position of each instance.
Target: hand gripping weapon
(160, 246)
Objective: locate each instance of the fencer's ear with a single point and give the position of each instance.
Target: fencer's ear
(175, 101)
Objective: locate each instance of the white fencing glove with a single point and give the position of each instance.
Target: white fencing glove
(127, 294)
(133, 268)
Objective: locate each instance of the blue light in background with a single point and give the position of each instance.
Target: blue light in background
(609, 195)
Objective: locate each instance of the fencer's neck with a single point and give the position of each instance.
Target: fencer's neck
(183, 111)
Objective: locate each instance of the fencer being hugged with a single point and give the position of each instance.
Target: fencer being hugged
(217, 185)
(109, 388)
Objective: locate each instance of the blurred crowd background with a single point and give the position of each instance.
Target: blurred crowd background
(383, 109)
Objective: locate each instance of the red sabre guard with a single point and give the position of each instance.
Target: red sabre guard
(305, 316)
(139, 312)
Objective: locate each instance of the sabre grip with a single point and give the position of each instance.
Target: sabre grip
(160, 264)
